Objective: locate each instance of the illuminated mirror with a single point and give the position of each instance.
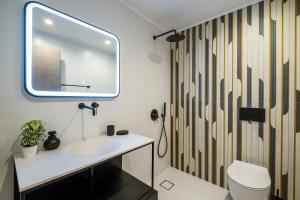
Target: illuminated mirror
(66, 57)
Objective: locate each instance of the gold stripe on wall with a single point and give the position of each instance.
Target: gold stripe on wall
(260, 82)
(249, 81)
(209, 107)
(220, 102)
(226, 66)
(186, 89)
(272, 88)
(285, 99)
(254, 76)
(204, 167)
(176, 137)
(191, 93)
(292, 97)
(244, 80)
(254, 87)
(235, 84)
(266, 79)
(196, 104)
(297, 114)
(172, 59)
(200, 104)
(230, 81)
(279, 96)
(189, 99)
(194, 100)
(213, 100)
(181, 107)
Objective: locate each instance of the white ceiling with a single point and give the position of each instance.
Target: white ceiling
(181, 14)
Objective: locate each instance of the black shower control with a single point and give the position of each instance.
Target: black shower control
(252, 114)
(154, 114)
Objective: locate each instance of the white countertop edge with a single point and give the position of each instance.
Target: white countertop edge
(87, 165)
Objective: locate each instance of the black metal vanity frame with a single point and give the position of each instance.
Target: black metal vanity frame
(22, 195)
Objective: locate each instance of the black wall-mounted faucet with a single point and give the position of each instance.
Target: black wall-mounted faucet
(93, 107)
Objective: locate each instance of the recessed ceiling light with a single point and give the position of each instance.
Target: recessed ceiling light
(107, 42)
(48, 21)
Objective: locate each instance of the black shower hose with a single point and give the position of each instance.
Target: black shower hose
(163, 132)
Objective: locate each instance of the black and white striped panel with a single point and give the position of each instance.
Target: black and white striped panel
(248, 58)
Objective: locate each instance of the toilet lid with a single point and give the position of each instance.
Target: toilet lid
(249, 175)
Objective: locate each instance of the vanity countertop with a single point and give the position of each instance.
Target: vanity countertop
(71, 157)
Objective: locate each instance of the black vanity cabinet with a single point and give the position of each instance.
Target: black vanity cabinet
(105, 180)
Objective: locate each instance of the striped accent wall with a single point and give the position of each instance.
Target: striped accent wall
(248, 58)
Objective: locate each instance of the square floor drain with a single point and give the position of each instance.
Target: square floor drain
(166, 184)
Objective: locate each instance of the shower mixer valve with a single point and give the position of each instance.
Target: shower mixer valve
(154, 115)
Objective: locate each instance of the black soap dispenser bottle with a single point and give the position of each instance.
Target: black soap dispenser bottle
(52, 142)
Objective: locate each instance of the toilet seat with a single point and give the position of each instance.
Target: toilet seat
(249, 176)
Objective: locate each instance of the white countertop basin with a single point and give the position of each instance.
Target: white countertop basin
(71, 157)
(93, 146)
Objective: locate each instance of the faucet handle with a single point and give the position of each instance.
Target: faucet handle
(95, 105)
(81, 105)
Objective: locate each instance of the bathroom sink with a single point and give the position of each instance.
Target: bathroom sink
(94, 146)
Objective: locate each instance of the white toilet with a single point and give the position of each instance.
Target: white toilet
(247, 181)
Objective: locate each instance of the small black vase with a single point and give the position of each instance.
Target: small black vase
(52, 142)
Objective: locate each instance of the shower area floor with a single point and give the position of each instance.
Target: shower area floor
(173, 184)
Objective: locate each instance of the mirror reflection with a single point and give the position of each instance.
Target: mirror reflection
(69, 57)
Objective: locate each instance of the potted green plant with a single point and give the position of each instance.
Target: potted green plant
(32, 134)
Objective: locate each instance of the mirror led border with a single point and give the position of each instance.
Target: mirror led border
(28, 55)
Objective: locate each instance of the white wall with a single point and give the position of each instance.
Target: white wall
(144, 85)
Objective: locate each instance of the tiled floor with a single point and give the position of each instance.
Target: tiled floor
(186, 187)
